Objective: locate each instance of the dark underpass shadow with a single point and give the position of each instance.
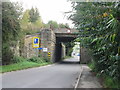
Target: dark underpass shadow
(69, 62)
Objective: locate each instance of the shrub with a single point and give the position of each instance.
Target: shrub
(17, 59)
(7, 54)
(38, 59)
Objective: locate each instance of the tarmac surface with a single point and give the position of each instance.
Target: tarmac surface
(88, 80)
(60, 75)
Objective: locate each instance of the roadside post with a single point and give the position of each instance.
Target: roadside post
(49, 54)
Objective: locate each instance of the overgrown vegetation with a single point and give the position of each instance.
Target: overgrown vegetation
(31, 21)
(10, 29)
(24, 63)
(99, 24)
(69, 48)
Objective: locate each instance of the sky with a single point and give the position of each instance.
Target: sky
(49, 9)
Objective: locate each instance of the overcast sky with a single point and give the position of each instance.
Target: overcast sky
(49, 9)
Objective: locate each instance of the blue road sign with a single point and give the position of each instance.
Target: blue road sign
(35, 40)
(40, 48)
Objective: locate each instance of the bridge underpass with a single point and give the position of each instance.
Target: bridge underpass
(63, 36)
(54, 40)
(60, 48)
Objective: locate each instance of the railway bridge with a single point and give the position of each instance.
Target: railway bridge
(51, 43)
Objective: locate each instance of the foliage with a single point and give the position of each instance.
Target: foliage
(10, 21)
(19, 63)
(67, 57)
(69, 48)
(92, 65)
(10, 29)
(7, 54)
(34, 15)
(38, 60)
(28, 26)
(110, 83)
(61, 25)
(24, 22)
(17, 59)
(99, 24)
(53, 24)
(20, 66)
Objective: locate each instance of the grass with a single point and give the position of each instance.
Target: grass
(91, 65)
(20, 66)
(66, 57)
(108, 82)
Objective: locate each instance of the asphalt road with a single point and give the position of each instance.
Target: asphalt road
(60, 75)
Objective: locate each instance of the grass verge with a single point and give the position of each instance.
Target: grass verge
(20, 66)
(21, 63)
(67, 57)
(110, 83)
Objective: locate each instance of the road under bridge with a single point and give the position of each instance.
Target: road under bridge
(54, 39)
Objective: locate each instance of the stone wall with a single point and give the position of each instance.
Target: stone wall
(29, 51)
(84, 55)
(48, 40)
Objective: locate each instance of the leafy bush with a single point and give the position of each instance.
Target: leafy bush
(7, 54)
(100, 31)
(17, 59)
(38, 60)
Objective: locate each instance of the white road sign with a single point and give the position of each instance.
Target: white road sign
(45, 49)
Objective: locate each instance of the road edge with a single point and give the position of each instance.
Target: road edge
(29, 68)
(76, 85)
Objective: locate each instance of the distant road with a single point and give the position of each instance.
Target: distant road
(61, 75)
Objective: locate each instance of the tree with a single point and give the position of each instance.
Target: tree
(30, 27)
(61, 25)
(34, 15)
(98, 24)
(10, 29)
(69, 48)
(25, 19)
(53, 24)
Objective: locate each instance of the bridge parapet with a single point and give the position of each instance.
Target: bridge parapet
(65, 30)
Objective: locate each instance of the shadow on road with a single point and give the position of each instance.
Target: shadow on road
(69, 62)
